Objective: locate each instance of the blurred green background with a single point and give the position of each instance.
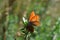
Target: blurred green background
(12, 12)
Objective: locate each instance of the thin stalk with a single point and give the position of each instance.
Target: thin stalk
(27, 37)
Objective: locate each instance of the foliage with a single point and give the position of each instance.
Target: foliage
(12, 25)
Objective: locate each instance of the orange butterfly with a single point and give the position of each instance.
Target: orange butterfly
(33, 21)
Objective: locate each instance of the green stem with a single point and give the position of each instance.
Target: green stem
(26, 36)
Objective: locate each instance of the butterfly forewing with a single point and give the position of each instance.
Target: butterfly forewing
(31, 15)
(35, 18)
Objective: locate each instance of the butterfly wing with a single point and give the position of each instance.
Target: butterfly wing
(36, 23)
(35, 20)
(31, 15)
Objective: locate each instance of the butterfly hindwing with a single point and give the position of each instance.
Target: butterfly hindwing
(36, 23)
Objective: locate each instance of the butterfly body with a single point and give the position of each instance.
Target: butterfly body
(30, 27)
